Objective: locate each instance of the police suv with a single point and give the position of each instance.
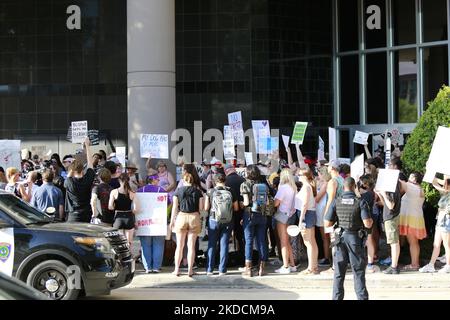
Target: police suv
(58, 259)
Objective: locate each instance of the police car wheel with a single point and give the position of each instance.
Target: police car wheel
(51, 278)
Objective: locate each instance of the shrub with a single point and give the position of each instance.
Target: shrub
(418, 148)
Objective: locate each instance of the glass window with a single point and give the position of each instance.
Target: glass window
(435, 74)
(405, 86)
(348, 25)
(376, 83)
(404, 20)
(434, 20)
(375, 38)
(349, 90)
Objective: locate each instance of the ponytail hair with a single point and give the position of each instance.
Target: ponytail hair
(125, 179)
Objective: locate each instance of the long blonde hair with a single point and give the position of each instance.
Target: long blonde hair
(286, 177)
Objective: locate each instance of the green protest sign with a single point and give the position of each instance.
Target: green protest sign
(299, 132)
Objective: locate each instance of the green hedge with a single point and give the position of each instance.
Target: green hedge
(418, 148)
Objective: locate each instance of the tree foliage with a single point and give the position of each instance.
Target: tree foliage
(418, 148)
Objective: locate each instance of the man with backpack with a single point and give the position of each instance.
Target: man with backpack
(223, 202)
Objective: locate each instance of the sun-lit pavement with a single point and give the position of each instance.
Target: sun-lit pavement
(165, 286)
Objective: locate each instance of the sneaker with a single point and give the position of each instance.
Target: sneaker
(445, 269)
(156, 271)
(442, 259)
(293, 269)
(283, 270)
(386, 262)
(324, 262)
(209, 274)
(427, 268)
(221, 274)
(194, 267)
(370, 268)
(391, 270)
(148, 271)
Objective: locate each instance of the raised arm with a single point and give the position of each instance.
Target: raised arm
(366, 149)
(301, 160)
(87, 146)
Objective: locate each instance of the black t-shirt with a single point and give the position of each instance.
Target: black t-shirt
(397, 199)
(188, 198)
(114, 183)
(234, 182)
(78, 192)
(103, 191)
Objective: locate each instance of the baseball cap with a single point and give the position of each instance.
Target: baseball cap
(334, 164)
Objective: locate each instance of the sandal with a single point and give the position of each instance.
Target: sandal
(192, 274)
(310, 272)
(410, 267)
(176, 274)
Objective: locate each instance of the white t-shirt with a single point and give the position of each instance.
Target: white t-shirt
(301, 195)
(286, 195)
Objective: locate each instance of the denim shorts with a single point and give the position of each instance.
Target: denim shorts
(443, 222)
(310, 218)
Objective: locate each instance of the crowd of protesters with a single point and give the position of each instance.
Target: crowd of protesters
(254, 212)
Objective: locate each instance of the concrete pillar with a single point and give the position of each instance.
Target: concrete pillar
(151, 72)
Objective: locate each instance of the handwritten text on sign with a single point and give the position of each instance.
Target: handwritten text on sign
(79, 131)
(155, 146)
(151, 217)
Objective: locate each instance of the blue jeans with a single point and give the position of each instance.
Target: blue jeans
(218, 232)
(255, 228)
(152, 251)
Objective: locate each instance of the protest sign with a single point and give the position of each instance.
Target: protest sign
(248, 158)
(228, 149)
(387, 180)
(344, 161)
(357, 167)
(261, 134)
(151, 217)
(94, 137)
(10, 154)
(121, 155)
(274, 144)
(387, 149)
(321, 150)
(227, 133)
(332, 144)
(299, 132)
(79, 131)
(155, 146)
(361, 137)
(286, 141)
(438, 161)
(236, 126)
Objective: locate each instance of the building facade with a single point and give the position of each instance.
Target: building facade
(350, 64)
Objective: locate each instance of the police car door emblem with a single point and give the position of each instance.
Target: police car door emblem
(5, 251)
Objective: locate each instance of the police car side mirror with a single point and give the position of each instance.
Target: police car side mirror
(4, 224)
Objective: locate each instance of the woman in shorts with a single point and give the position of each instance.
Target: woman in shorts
(185, 221)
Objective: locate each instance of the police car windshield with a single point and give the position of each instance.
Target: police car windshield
(22, 211)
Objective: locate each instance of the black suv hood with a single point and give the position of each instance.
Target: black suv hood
(84, 228)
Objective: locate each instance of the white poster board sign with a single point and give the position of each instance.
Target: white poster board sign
(344, 161)
(151, 217)
(235, 123)
(286, 141)
(121, 153)
(332, 144)
(10, 155)
(228, 149)
(261, 134)
(155, 146)
(79, 131)
(321, 150)
(439, 159)
(248, 158)
(361, 137)
(357, 167)
(227, 133)
(387, 180)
